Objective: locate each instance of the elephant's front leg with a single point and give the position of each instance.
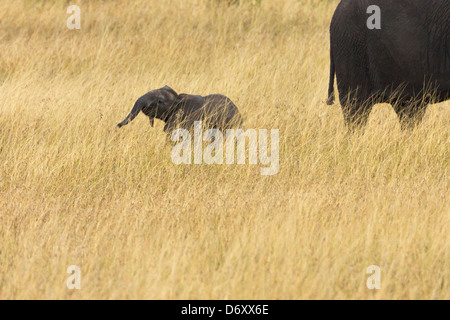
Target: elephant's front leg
(169, 127)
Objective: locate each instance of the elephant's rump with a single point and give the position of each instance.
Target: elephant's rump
(216, 111)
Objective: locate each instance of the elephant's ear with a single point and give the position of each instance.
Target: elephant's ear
(178, 102)
(170, 90)
(168, 96)
(179, 99)
(175, 107)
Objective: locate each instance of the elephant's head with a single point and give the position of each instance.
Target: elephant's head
(155, 104)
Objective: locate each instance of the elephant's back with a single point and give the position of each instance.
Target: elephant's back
(219, 101)
(222, 109)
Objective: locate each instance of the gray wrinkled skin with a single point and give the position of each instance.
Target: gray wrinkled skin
(182, 110)
(406, 63)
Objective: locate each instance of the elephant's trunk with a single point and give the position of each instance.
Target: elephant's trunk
(138, 106)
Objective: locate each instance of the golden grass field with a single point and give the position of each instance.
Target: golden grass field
(76, 190)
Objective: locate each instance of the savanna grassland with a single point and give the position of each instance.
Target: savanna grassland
(76, 190)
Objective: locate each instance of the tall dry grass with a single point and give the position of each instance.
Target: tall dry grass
(75, 190)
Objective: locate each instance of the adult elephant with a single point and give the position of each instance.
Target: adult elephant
(404, 61)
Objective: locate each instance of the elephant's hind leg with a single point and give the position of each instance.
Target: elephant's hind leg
(410, 113)
(356, 115)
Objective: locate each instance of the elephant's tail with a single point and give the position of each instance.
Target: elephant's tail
(138, 106)
(330, 99)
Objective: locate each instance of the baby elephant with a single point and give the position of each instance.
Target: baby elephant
(182, 110)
